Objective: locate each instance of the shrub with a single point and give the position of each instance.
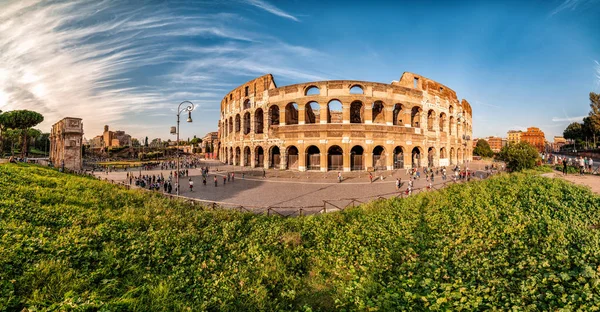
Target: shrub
(519, 156)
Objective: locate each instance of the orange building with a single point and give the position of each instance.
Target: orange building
(495, 143)
(535, 137)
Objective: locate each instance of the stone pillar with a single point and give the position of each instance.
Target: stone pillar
(368, 117)
(323, 108)
(252, 157)
(301, 114)
(389, 115)
(282, 115)
(346, 113)
(266, 122)
(346, 157)
(252, 127)
(406, 117)
(323, 156)
(301, 158)
(283, 159)
(408, 158)
(389, 157)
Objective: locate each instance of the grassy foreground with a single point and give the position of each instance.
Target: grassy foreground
(514, 241)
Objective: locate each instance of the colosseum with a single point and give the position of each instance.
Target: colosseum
(345, 125)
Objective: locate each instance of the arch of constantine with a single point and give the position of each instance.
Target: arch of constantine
(345, 125)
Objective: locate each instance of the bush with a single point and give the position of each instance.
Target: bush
(570, 169)
(483, 149)
(519, 156)
(510, 242)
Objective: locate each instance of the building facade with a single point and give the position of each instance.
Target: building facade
(111, 139)
(514, 136)
(66, 142)
(495, 143)
(535, 137)
(345, 125)
(558, 143)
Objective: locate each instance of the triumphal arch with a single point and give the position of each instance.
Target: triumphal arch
(345, 125)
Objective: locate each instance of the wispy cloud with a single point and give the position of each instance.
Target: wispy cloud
(569, 5)
(569, 119)
(111, 63)
(271, 9)
(597, 67)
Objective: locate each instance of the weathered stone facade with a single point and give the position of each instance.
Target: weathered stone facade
(345, 125)
(65, 143)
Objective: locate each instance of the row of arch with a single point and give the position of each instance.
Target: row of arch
(273, 158)
(312, 114)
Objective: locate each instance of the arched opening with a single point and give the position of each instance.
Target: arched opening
(451, 109)
(443, 153)
(247, 104)
(238, 155)
(430, 156)
(238, 123)
(398, 158)
(416, 158)
(378, 112)
(225, 127)
(356, 112)
(415, 117)
(291, 114)
(247, 123)
(313, 158)
(275, 157)
(246, 156)
(292, 157)
(313, 112)
(430, 119)
(259, 157)
(335, 158)
(356, 158)
(312, 90)
(452, 162)
(258, 121)
(443, 122)
(397, 119)
(356, 89)
(274, 115)
(379, 158)
(451, 125)
(334, 112)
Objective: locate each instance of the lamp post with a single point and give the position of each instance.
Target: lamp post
(189, 108)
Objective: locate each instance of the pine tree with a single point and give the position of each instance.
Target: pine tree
(594, 115)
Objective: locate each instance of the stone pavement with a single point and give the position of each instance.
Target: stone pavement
(289, 189)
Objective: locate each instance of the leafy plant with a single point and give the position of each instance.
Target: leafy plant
(519, 156)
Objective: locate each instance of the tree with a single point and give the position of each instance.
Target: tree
(146, 142)
(195, 140)
(135, 142)
(483, 149)
(573, 131)
(519, 156)
(594, 114)
(22, 120)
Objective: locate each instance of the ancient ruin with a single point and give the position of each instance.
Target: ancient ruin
(345, 125)
(65, 143)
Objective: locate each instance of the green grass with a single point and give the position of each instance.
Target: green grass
(511, 242)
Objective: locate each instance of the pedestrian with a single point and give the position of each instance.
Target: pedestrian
(264, 173)
(339, 177)
(191, 185)
(397, 184)
(224, 180)
(232, 176)
(215, 181)
(591, 164)
(204, 180)
(370, 177)
(564, 163)
(228, 177)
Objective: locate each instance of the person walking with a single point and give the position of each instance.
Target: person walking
(581, 165)
(591, 165)
(370, 177)
(264, 173)
(170, 188)
(224, 180)
(232, 176)
(398, 184)
(191, 185)
(215, 181)
(204, 180)
(564, 163)
(339, 177)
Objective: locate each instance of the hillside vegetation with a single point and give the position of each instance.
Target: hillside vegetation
(513, 241)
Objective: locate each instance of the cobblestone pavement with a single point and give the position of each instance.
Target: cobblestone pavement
(290, 189)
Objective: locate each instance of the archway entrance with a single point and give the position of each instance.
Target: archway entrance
(246, 156)
(356, 158)
(335, 158)
(398, 158)
(260, 156)
(238, 154)
(416, 158)
(275, 158)
(231, 156)
(430, 156)
(313, 158)
(379, 158)
(292, 157)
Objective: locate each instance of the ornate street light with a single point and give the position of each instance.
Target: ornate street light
(189, 108)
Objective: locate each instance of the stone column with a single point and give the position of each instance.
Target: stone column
(368, 117)
(282, 116)
(346, 113)
(252, 127)
(389, 115)
(252, 157)
(301, 158)
(323, 157)
(406, 117)
(301, 114)
(389, 160)
(346, 157)
(282, 160)
(323, 108)
(408, 158)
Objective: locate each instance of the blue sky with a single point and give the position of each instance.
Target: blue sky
(519, 63)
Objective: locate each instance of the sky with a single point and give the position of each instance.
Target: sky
(128, 64)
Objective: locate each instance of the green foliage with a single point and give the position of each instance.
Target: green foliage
(570, 169)
(573, 131)
(519, 156)
(22, 120)
(513, 242)
(483, 149)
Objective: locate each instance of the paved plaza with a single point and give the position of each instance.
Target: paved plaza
(290, 189)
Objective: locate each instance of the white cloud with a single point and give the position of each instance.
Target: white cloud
(569, 5)
(84, 59)
(271, 9)
(569, 119)
(597, 73)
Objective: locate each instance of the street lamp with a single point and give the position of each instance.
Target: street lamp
(189, 108)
